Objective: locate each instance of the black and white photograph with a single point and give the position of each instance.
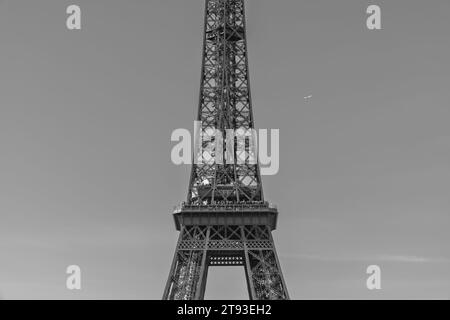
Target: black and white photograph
(224, 150)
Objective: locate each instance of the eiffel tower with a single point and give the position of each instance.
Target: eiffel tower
(225, 220)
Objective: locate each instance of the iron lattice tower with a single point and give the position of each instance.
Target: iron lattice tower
(225, 220)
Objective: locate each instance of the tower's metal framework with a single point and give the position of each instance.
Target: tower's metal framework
(225, 220)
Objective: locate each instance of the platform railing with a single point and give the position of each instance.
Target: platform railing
(229, 205)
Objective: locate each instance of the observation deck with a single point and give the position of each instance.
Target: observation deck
(226, 213)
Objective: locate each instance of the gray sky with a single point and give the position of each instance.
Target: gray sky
(85, 124)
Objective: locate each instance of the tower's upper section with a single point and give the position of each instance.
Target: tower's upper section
(225, 103)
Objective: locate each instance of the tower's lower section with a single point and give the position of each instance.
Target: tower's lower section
(202, 246)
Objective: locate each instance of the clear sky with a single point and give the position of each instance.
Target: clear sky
(85, 124)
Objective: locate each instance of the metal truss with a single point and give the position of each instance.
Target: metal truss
(202, 246)
(225, 220)
(225, 103)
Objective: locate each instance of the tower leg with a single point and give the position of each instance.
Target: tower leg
(248, 270)
(171, 281)
(277, 261)
(187, 277)
(264, 276)
(201, 286)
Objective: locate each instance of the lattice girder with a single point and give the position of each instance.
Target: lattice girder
(226, 246)
(225, 103)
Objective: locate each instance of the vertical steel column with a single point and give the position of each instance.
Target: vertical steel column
(247, 267)
(285, 290)
(172, 273)
(201, 285)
